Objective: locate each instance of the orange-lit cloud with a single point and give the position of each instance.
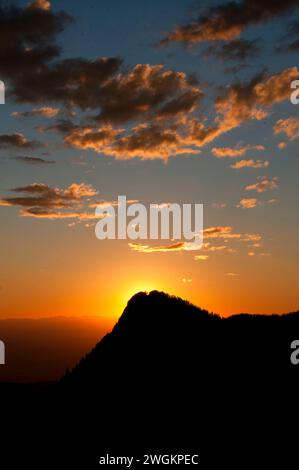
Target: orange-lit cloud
(45, 111)
(168, 127)
(208, 247)
(145, 142)
(156, 104)
(228, 20)
(250, 164)
(222, 152)
(89, 138)
(243, 102)
(157, 249)
(282, 145)
(289, 127)
(263, 184)
(220, 232)
(248, 203)
(224, 233)
(150, 142)
(38, 200)
(40, 5)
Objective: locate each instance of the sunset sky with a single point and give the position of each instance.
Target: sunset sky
(171, 101)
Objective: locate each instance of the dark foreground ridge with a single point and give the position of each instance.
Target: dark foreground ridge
(164, 338)
(171, 376)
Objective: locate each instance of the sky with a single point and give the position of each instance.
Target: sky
(164, 102)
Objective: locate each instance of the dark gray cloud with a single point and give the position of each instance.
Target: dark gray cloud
(27, 38)
(36, 75)
(290, 41)
(17, 141)
(237, 50)
(34, 160)
(228, 20)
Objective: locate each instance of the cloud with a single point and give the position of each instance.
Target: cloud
(290, 41)
(145, 141)
(248, 203)
(250, 164)
(160, 137)
(228, 20)
(146, 111)
(275, 88)
(41, 201)
(151, 142)
(45, 111)
(282, 145)
(39, 213)
(145, 90)
(40, 5)
(227, 233)
(34, 160)
(89, 138)
(222, 152)
(208, 247)
(223, 234)
(263, 184)
(201, 257)
(289, 127)
(17, 141)
(150, 94)
(236, 50)
(220, 232)
(27, 42)
(252, 100)
(157, 249)
(118, 96)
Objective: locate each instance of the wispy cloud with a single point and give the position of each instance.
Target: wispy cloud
(263, 184)
(225, 234)
(17, 141)
(157, 249)
(289, 127)
(237, 50)
(45, 111)
(38, 200)
(228, 20)
(34, 160)
(250, 164)
(222, 152)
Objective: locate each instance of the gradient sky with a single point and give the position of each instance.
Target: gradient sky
(221, 130)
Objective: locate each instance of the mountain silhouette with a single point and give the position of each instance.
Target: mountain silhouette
(173, 377)
(162, 335)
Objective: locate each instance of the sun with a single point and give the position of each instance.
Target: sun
(130, 288)
(139, 286)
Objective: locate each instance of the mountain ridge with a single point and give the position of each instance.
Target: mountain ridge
(187, 333)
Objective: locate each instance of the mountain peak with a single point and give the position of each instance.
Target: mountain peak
(158, 310)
